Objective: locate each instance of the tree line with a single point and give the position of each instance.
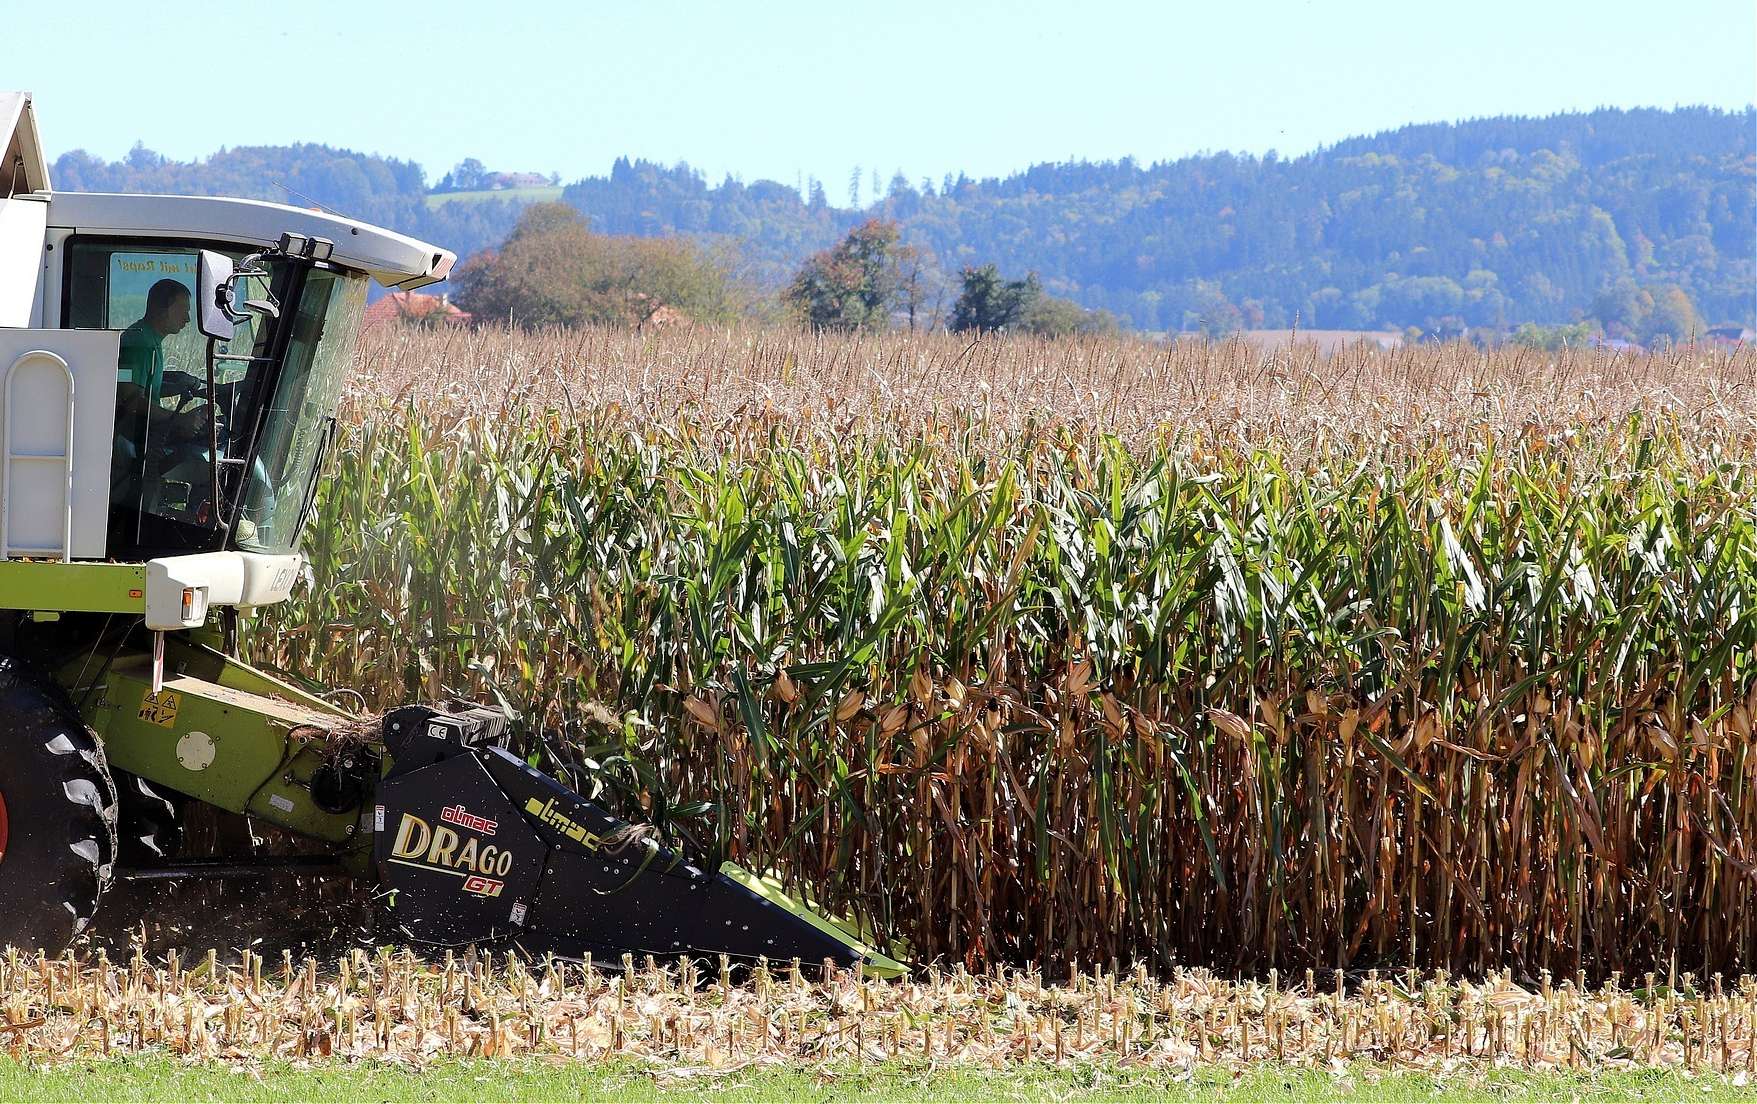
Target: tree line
(1632, 223)
(553, 269)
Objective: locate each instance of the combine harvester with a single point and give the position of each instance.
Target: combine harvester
(170, 368)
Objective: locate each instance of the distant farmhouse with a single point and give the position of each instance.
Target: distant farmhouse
(414, 307)
(1731, 335)
(500, 181)
(472, 176)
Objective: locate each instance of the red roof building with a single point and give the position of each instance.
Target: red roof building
(412, 306)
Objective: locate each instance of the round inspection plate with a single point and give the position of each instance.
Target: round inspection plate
(195, 751)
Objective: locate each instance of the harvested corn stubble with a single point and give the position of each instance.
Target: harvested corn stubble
(394, 1005)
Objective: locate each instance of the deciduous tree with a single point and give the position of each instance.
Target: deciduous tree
(468, 175)
(1673, 316)
(553, 270)
(854, 286)
(1053, 317)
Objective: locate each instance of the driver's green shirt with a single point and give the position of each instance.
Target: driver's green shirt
(142, 359)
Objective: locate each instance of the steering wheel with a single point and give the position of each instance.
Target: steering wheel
(182, 392)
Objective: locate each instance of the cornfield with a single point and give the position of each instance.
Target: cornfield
(686, 1018)
(1095, 652)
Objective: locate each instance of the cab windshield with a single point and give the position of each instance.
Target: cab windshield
(299, 418)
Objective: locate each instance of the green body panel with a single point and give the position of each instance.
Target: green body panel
(219, 731)
(72, 587)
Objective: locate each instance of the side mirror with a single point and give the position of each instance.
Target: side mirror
(214, 297)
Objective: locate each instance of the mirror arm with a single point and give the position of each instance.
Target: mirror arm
(237, 287)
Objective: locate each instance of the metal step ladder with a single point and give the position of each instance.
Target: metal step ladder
(36, 475)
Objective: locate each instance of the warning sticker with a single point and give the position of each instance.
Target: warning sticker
(160, 708)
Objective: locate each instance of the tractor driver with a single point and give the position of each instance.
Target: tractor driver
(141, 383)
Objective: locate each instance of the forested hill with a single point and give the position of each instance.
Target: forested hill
(1489, 222)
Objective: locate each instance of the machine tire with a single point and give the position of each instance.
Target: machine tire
(59, 811)
(149, 821)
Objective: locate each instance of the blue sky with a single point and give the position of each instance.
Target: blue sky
(784, 89)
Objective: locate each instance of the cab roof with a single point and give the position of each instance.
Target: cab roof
(393, 259)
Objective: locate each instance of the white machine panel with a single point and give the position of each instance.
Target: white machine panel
(22, 226)
(179, 589)
(38, 512)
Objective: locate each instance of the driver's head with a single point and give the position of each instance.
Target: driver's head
(167, 307)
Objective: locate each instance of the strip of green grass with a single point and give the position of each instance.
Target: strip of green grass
(164, 1078)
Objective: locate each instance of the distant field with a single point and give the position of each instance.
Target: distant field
(524, 195)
